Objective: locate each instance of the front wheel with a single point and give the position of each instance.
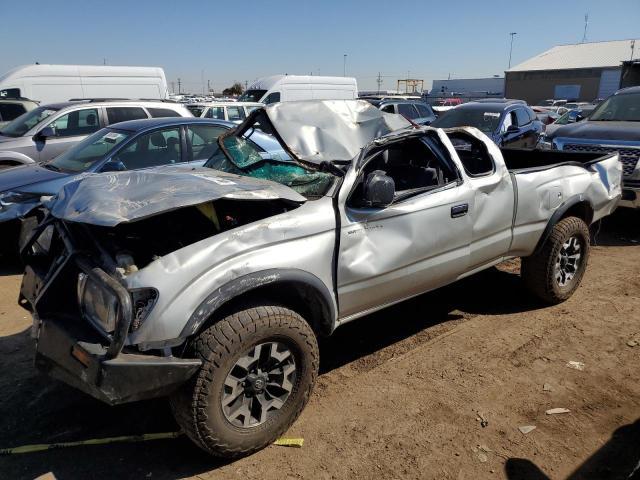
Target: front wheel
(259, 367)
(555, 272)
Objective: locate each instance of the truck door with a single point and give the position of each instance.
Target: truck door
(491, 211)
(418, 242)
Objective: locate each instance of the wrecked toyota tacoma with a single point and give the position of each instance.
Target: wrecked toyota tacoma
(211, 285)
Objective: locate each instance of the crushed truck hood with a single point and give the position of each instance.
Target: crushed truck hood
(114, 198)
(330, 130)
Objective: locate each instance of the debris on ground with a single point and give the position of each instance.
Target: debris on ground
(289, 442)
(575, 365)
(556, 411)
(527, 429)
(547, 387)
(483, 421)
(633, 342)
(481, 452)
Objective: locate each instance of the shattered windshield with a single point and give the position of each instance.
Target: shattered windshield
(243, 158)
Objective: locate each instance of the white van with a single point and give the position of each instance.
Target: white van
(287, 88)
(60, 83)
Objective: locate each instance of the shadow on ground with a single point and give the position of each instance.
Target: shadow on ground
(618, 230)
(619, 458)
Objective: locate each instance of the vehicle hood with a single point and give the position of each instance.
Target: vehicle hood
(599, 130)
(108, 199)
(6, 139)
(316, 131)
(25, 175)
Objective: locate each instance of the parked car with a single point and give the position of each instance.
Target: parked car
(58, 83)
(509, 124)
(132, 145)
(10, 109)
(551, 102)
(215, 293)
(546, 116)
(287, 88)
(571, 116)
(231, 111)
(613, 126)
(49, 130)
(418, 112)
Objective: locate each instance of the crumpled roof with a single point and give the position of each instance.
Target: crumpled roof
(108, 199)
(330, 130)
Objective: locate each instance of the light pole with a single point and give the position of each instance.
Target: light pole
(513, 34)
(344, 65)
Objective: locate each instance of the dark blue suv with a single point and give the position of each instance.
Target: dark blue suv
(509, 123)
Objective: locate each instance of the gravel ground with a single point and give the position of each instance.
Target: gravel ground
(436, 387)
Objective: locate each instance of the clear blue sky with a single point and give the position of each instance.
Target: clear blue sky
(244, 40)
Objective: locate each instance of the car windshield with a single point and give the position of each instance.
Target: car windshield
(27, 121)
(483, 120)
(92, 149)
(622, 108)
(252, 96)
(242, 157)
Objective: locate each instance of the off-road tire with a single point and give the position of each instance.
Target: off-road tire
(197, 406)
(538, 270)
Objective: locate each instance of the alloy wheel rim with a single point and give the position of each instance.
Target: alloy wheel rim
(258, 384)
(568, 261)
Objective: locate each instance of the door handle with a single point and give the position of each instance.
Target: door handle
(459, 210)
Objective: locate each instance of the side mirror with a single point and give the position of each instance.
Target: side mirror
(513, 129)
(579, 118)
(46, 132)
(379, 189)
(113, 165)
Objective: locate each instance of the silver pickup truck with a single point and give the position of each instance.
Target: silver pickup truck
(212, 285)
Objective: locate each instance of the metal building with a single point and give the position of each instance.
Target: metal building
(469, 86)
(583, 72)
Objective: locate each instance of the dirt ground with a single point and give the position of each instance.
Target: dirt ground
(433, 388)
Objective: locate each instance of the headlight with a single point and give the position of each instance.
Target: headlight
(97, 304)
(9, 198)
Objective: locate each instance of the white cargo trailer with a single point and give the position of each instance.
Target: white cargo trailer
(288, 88)
(59, 83)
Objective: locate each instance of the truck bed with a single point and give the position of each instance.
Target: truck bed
(524, 160)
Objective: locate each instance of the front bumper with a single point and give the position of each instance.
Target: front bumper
(71, 349)
(72, 352)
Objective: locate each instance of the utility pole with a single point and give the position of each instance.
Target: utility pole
(344, 65)
(586, 24)
(379, 82)
(513, 34)
(633, 47)
(104, 61)
(179, 86)
(173, 87)
(208, 87)
(246, 85)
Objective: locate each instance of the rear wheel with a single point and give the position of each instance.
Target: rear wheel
(555, 272)
(259, 366)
